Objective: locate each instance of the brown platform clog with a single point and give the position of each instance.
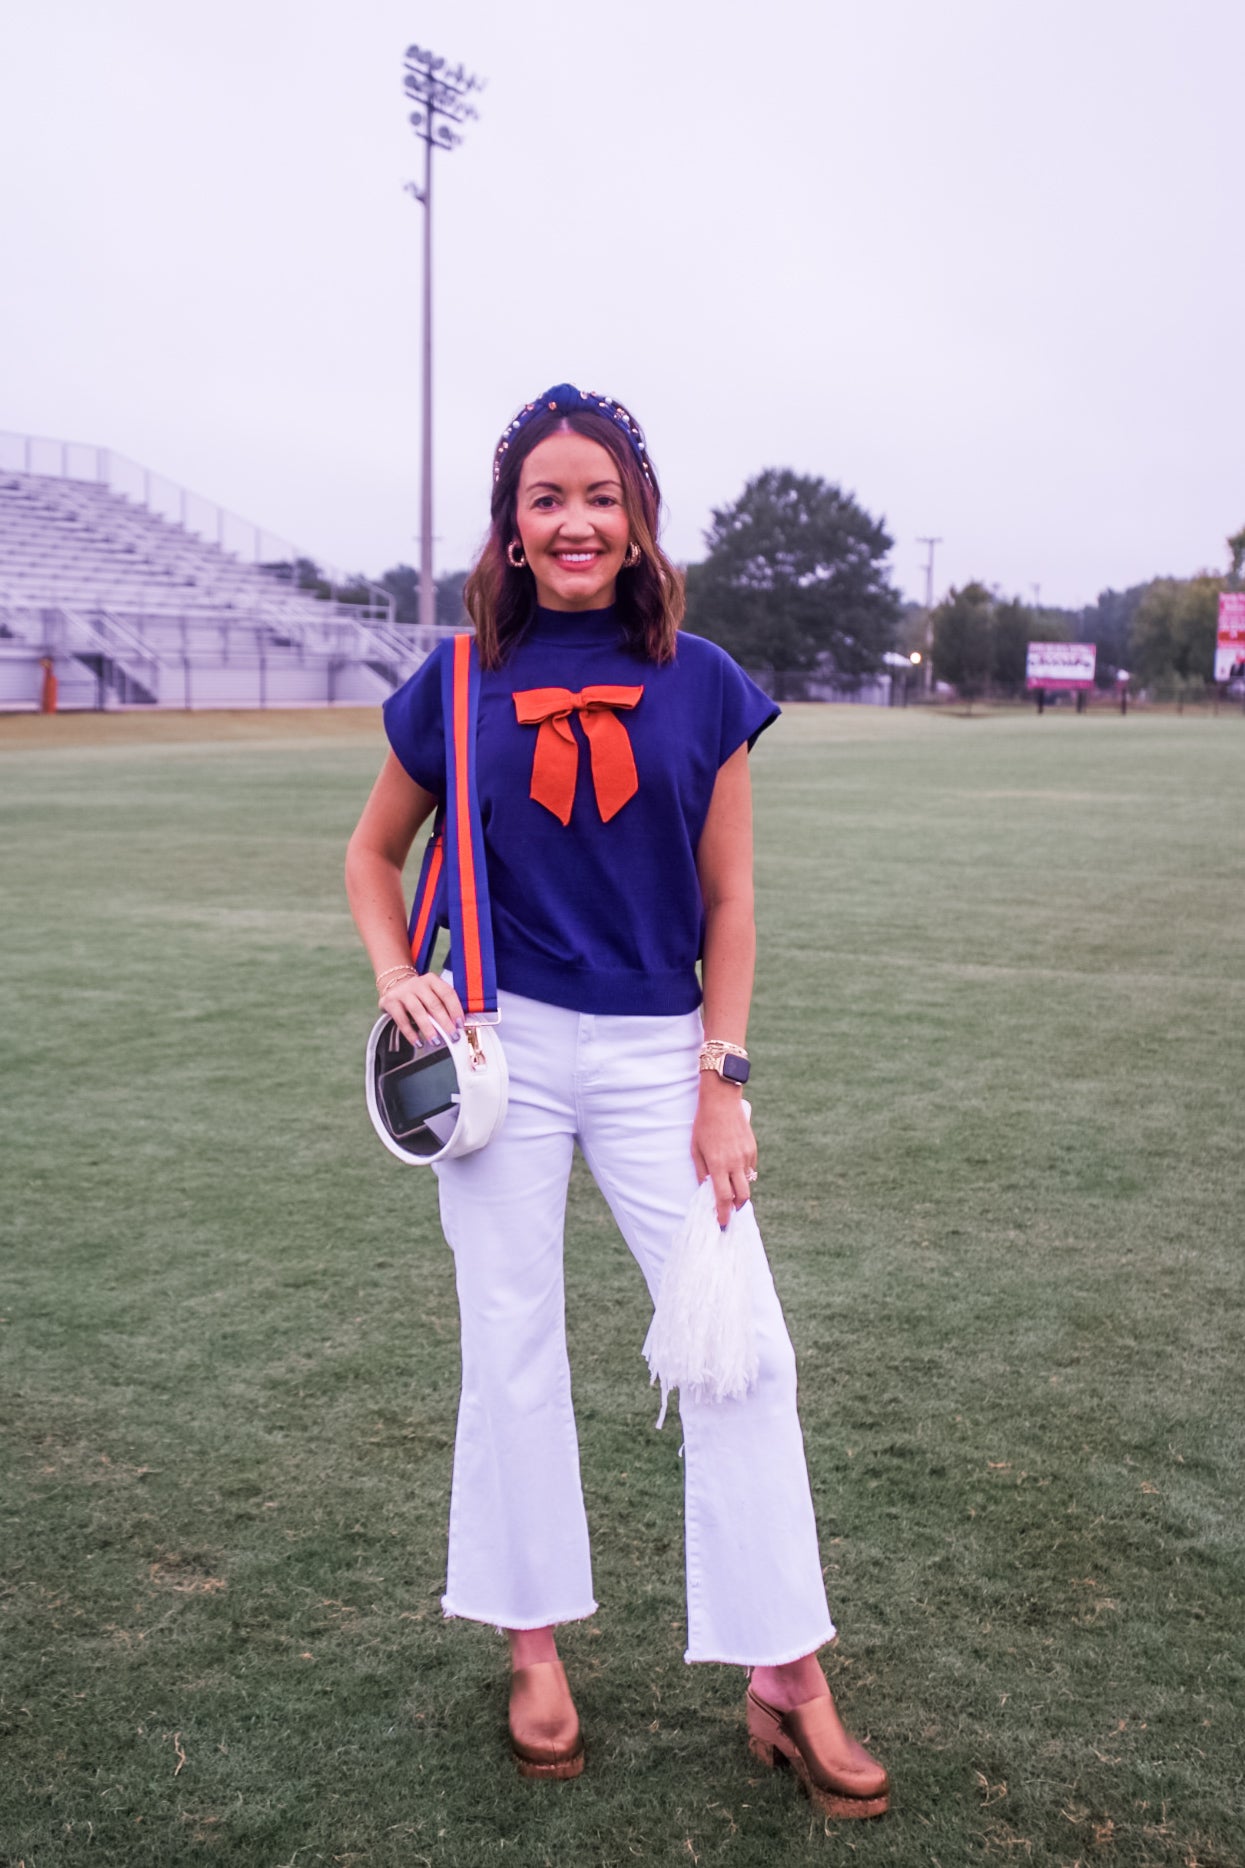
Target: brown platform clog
(544, 1726)
(836, 1772)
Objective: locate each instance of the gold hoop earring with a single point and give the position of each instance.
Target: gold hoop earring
(514, 555)
(632, 556)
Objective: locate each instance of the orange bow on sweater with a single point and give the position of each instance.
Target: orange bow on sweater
(555, 763)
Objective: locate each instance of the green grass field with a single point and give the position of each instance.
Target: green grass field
(997, 1045)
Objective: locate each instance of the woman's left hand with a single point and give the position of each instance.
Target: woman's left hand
(724, 1149)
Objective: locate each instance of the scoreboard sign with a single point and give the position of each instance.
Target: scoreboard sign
(1230, 639)
(1060, 666)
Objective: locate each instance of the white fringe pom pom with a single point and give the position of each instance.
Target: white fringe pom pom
(702, 1339)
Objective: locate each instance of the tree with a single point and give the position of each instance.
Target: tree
(1236, 546)
(795, 578)
(451, 613)
(981, 639)
(910, 633)
(964, 639)
(402, 583)
(1011, 632)
(1109, 624)
(1013, 627)
(1174, 629)
(304, 573)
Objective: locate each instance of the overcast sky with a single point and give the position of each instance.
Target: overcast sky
(978, 261)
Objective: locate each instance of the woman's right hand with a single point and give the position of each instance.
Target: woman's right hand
(415, 1000)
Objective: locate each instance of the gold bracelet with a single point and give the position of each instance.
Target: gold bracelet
(396, 972)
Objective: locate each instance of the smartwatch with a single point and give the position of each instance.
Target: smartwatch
(729, 1061)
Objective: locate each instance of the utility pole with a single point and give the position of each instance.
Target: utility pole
(442, 92)
(929, 613)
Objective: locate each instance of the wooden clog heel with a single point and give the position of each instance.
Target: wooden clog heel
(836, 1772)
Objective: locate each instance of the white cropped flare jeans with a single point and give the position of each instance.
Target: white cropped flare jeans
(625, 1089)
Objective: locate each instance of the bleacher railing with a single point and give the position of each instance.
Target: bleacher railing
(242, 539)
(139, 659)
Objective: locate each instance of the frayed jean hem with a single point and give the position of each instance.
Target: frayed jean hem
(768, 1660)
(520, 1626)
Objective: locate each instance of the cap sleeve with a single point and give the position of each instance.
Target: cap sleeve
(746, 710)
(415, 724)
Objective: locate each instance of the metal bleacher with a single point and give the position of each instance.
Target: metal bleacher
(142, 594)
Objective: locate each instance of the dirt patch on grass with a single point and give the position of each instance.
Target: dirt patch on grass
(184, 1575)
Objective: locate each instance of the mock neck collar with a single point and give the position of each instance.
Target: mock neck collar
(574, 626)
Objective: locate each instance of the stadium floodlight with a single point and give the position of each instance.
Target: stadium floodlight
(442, 92)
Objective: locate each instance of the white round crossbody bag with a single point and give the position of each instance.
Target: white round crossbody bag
(432, 1102)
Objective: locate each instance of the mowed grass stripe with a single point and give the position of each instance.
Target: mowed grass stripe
(997, 1090)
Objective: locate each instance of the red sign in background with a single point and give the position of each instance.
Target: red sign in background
(1060, 666)
(1230, 639)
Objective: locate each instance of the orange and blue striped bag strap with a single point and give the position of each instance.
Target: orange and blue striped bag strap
(428, 910)
(453, 882)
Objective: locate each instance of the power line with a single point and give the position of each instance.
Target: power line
(929, 611)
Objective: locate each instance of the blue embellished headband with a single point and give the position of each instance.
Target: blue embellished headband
(565, 398)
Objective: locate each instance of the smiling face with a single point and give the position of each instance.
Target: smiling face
(572, 523)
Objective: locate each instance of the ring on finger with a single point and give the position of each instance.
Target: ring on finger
(751, 1174)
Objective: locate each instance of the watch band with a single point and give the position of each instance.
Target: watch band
(729, 1061)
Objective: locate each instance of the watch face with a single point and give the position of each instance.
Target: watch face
(735, 1069)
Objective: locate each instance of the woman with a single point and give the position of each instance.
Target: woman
(619, 851)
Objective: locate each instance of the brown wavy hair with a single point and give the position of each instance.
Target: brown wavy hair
(501, 601)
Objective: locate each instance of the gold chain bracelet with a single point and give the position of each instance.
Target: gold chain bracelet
(396, 973)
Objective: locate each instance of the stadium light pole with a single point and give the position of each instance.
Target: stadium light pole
(442, 92)
(929, 612)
